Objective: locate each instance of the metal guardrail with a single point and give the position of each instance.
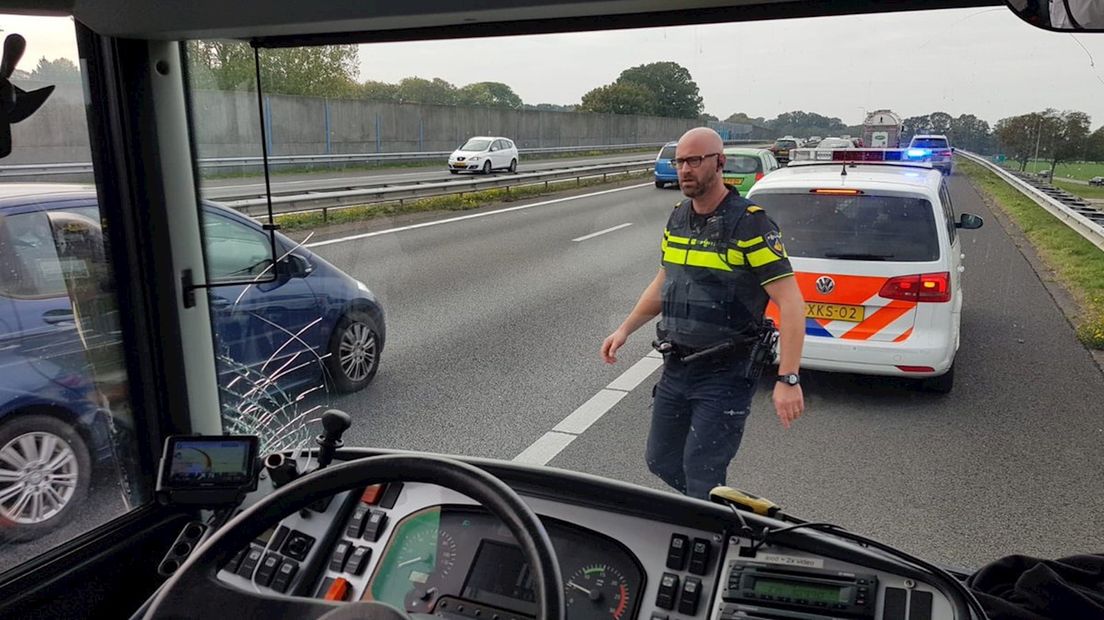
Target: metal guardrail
(1078, 215)
(27, 170)
(324, 201)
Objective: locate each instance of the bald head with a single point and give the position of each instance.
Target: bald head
(703, 147)
(701, 140)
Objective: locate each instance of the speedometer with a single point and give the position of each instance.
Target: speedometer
(419, 552)
(597, 592)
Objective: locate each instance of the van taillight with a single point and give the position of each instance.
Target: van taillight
(928, 287)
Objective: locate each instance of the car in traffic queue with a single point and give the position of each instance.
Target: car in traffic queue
(782, 147)
(823, 149)
(484, 154)
(296, 324)
(743, 167)
(1096, 181)
(937, 148)
(664, 169)
(875, 246)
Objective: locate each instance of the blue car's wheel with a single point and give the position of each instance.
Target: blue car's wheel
(354, 351)
(45, 473)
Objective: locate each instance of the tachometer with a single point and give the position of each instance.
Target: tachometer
(597, 592)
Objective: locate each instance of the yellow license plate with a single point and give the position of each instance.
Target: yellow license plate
(835, 312)
(735, 180)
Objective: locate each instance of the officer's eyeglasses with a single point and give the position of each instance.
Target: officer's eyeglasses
(693, 161)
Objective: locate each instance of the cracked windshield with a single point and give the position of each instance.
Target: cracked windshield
(854, 265)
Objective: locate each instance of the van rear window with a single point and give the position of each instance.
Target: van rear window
(668, 152)
(864, 227)
(929, 143)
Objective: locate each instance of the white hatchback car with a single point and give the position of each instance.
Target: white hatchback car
(484, 154)
(876, 251)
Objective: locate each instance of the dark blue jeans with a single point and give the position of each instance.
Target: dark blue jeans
(698, 416)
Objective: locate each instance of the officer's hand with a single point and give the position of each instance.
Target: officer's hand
(610, 346)
(789, 402)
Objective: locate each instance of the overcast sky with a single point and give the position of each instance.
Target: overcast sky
(982, 61)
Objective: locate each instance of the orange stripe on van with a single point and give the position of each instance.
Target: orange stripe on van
(850, 290)
(903, 337)
(876, 322)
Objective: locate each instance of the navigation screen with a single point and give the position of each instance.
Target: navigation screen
(206, 462)
(501, 577)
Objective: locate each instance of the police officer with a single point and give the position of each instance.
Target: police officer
(722, 259)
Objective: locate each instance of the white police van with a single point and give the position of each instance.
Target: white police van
(874, 242)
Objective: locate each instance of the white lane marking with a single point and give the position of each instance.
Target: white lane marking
(473, 216)
(602, 232)
(550, 444)
(545, 449)
(635, 375)
(589, 412)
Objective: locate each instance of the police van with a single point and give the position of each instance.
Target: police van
(874, 242)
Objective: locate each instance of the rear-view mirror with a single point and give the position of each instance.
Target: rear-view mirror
(969, 221)
(1061, 15)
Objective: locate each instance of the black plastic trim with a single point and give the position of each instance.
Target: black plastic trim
(622, 21)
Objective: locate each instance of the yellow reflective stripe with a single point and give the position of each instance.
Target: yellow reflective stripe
(762, 256)
(668, 236)
(674, 255)
(749, 242)
(754, 209)
(735, 257)
(711, 260)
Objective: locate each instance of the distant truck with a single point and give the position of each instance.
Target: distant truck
(882, 130)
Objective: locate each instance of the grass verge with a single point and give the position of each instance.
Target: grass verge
(1080, 189)
(455, 202)
(1078, 264)
(1083, 170)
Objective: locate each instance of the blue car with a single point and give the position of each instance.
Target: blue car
(665, 170)
(300, 323)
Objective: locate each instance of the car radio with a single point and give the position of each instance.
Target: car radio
(806, 589)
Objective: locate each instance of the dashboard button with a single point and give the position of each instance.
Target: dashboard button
(298, 545)
(374, 524)
(284, 575)
(668, 590)
(356, 523)
(338, 590)
(236, 562)
(691, 592)
(358, 561)
(371, 495)
(676, 552)
(252, 557)
(278, 538)
(699, 556)
(340, 553)
(267, 569)
(391, 495)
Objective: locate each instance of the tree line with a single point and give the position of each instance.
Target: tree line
(658, 88)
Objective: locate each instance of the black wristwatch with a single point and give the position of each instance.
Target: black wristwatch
(790, 379)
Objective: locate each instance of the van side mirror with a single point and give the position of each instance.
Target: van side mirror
(969, 221)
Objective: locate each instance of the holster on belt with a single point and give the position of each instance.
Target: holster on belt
(758, 353)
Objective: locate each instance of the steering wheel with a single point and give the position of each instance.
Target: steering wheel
(195, 591)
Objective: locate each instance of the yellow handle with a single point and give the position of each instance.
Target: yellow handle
(744, 501)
